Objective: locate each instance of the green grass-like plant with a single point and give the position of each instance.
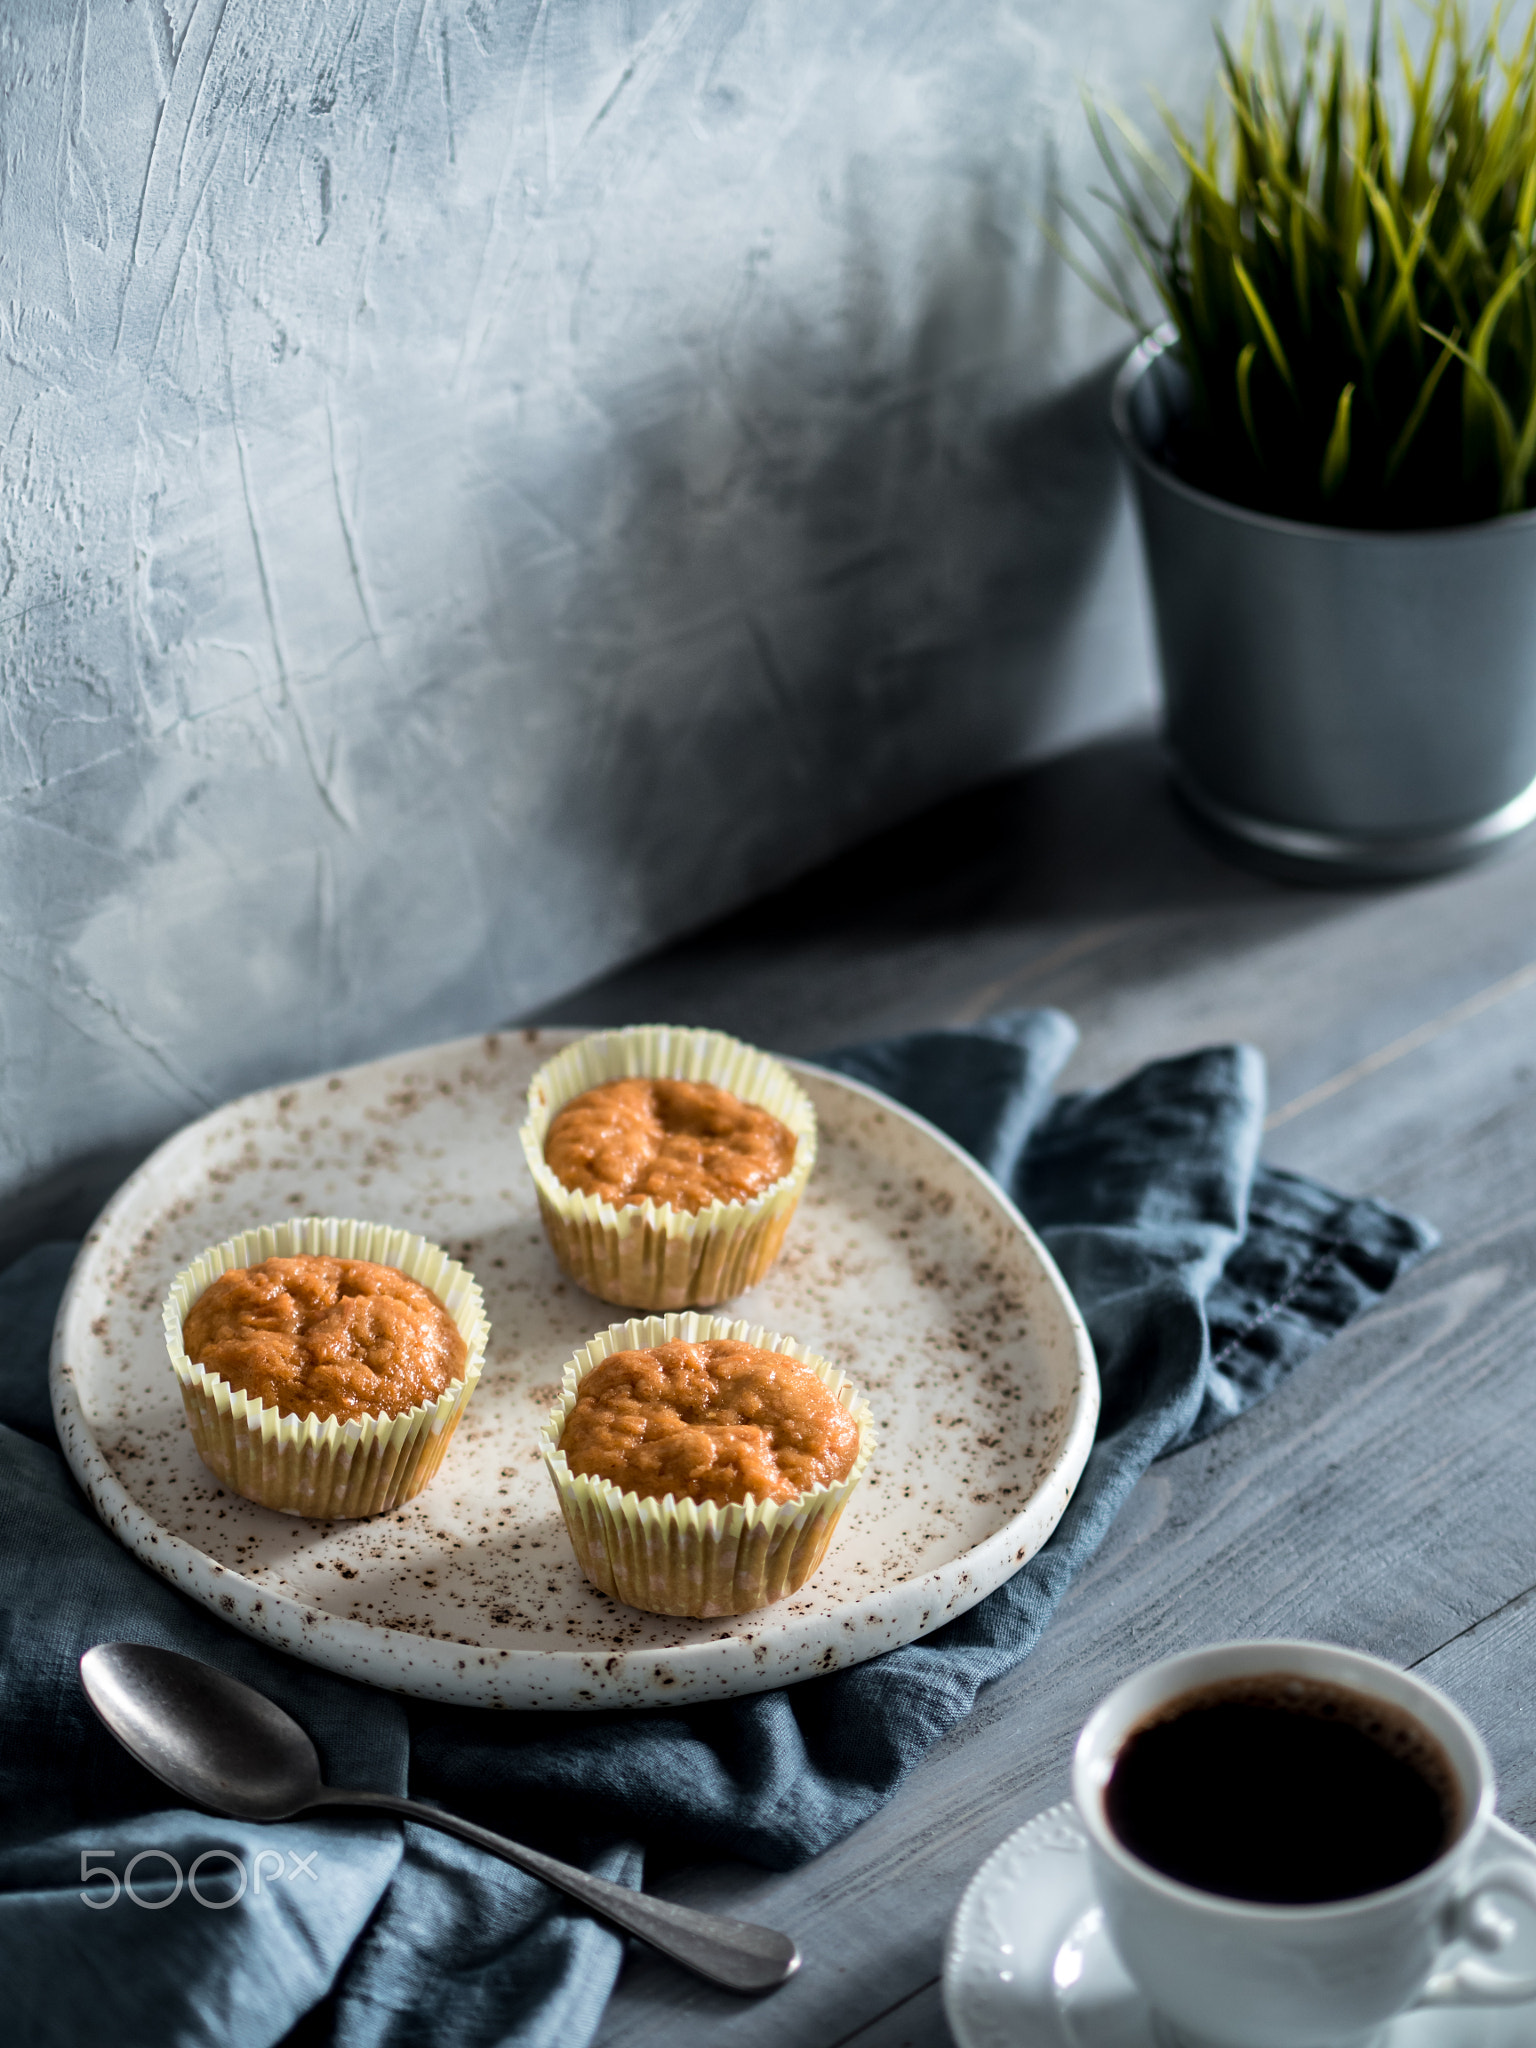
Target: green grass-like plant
(1354, 288)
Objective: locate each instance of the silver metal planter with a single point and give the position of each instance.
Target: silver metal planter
(1363, 704)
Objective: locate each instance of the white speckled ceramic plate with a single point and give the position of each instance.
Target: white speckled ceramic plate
(905, 1265)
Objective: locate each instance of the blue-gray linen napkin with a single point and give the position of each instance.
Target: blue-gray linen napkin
(1205, 1278)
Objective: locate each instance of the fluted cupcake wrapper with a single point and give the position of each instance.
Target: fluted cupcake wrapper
(303, 1464)
(673, 1556)
(649, 1255)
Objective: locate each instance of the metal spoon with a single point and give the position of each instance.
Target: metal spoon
(231, 1750)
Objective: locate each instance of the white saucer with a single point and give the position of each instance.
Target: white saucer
(1029, 1963)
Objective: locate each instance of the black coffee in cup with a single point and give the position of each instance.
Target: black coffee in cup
(1283, 1790)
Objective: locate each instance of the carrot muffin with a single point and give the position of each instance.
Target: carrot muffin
(701, 1465)
(713, 1420)
(668, 1163)
(324, 1363)
(684, 1142)
(318, 1336)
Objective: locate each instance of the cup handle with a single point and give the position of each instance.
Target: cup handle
(1472, 1916)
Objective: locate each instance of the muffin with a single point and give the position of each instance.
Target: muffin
(701, 1465)
(324, 1364)
(668, 1163)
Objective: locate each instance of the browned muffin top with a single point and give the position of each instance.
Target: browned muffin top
(687, 1143)
(320, 1336)
(713, 1420)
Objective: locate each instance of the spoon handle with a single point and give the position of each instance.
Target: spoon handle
(735, 1953)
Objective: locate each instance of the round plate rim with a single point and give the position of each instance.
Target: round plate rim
(389, 1657)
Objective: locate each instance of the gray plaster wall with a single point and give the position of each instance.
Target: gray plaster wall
(487, 487)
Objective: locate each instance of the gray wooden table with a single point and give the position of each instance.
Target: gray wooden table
(1383, 1498)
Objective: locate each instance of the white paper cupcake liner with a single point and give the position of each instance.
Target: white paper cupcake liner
(673, 1556)
(649, 1255)
(303, 1464)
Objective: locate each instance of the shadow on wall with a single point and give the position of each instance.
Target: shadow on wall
(905, 633)
(828, 548)
(833, 645)
(641, 644)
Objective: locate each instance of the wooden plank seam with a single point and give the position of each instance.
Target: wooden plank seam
(1399, 1048)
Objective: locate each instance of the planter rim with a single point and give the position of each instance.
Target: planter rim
(1159, 342)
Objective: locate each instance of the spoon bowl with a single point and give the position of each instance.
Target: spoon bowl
(217, 1742)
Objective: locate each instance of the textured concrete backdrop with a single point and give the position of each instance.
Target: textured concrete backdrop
(488, 486)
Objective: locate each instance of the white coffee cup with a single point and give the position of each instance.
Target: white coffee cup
(1226, 1973)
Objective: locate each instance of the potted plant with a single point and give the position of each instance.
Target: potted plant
(1332, 442)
